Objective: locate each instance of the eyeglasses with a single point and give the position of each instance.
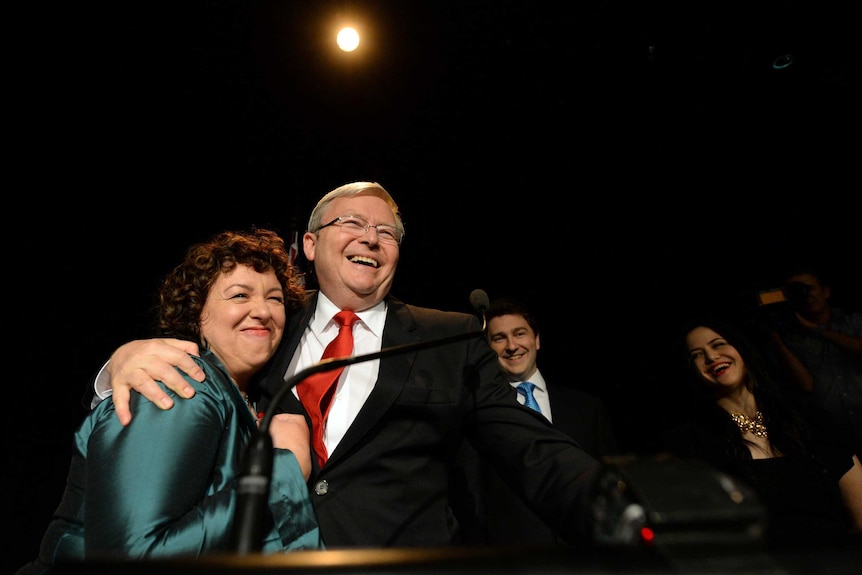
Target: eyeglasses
(356, 226)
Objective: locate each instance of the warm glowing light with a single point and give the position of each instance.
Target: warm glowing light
(348, 39)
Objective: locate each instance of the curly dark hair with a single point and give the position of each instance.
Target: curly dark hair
(184, 290)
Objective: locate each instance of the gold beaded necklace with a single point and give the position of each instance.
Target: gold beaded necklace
(755, 426)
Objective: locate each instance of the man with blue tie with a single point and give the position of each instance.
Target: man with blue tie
(494, 514)
(513, 332)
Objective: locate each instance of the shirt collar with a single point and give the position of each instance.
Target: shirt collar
(536, 379)
(374, 318)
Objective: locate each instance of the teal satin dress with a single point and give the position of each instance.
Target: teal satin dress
(165, 485)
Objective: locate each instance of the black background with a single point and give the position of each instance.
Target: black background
(614, 162)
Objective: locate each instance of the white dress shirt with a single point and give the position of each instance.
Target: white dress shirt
(357, 380)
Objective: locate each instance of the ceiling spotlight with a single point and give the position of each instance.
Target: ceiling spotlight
(348, 39)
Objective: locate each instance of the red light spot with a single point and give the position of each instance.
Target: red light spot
(647, 535)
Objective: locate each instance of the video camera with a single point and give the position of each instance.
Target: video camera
(779, 305)
(794, 294)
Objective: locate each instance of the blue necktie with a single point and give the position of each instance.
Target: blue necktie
(526, 389)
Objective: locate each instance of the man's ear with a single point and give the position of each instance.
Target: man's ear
(309, 242)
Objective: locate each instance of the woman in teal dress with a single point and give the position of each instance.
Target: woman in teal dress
(135, 491)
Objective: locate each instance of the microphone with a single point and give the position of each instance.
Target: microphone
(254, 480)
(479, 301)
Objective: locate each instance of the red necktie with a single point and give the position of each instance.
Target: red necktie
(316, 391)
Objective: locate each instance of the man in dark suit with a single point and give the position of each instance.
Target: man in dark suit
(395, 424)
(490, 512)
(513, 332)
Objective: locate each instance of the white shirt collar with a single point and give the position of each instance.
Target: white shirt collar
(536, 378)
(373, 318)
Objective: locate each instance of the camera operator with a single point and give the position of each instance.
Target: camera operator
(820, 350)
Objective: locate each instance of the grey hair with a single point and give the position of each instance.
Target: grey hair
(349, 190)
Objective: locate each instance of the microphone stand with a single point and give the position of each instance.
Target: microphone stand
(254, 479)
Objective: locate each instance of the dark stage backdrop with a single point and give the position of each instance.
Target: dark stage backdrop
(616, 163)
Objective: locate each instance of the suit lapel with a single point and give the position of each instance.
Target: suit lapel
(273, 380)
(399, 329)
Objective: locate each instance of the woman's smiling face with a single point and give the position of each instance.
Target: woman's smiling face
(716, 361)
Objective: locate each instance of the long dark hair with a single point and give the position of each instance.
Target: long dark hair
(786, 425)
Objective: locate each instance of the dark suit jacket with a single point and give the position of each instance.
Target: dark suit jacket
(490, 512)
(386, 483)
(584, 417)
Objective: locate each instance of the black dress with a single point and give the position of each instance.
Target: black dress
(799, 492)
